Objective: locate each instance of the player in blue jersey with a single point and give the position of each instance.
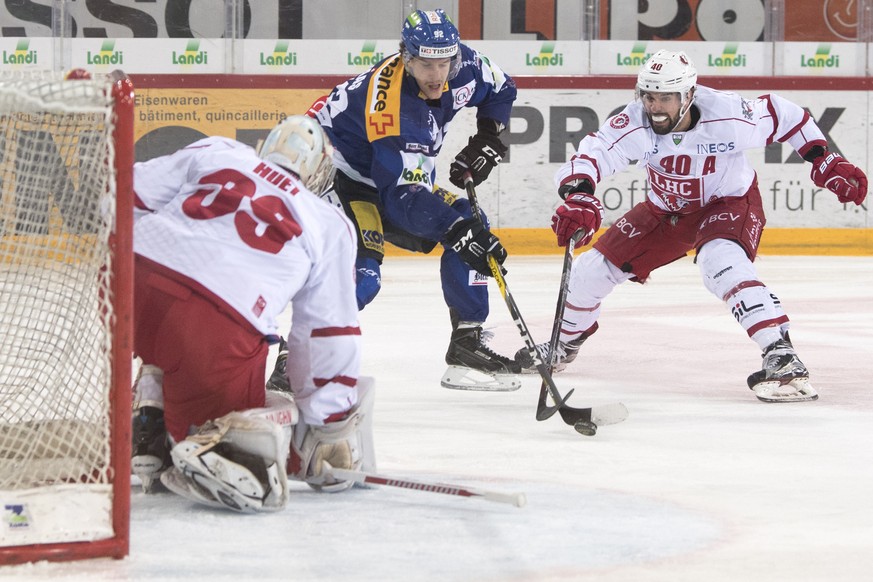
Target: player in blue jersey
(387, 126)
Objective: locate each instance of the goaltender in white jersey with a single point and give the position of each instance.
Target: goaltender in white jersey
(703, 196)
(225, 239)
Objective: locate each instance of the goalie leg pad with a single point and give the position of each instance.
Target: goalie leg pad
(234, 462)
(346, 444)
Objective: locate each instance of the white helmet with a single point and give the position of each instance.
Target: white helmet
(299, 145)
(668, 72)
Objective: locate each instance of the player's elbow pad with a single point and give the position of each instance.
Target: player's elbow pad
(368, 280)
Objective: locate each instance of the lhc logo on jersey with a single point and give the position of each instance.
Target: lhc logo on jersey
(620, 121)
(676, 194)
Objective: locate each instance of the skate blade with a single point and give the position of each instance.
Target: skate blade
(797, 390)
(461, 378)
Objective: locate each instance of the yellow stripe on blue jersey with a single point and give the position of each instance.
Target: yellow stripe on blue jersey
(383, 100)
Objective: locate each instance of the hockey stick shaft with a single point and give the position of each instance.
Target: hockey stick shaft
(516, 499)
(559, 308)
(542, 412)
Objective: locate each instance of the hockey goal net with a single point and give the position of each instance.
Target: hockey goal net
(66, 155)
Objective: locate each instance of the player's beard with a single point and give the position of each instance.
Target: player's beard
(664, 127)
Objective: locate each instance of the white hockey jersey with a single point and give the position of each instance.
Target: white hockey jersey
(687, 170)
(252, 234)
(245, 229)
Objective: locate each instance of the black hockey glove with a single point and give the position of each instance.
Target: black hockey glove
(482, 153)
(473, 244)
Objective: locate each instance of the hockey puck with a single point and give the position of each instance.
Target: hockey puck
(585, 427)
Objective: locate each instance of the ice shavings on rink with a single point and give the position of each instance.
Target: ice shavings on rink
(701, 482)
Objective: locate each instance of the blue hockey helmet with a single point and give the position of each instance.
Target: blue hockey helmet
(430, 34)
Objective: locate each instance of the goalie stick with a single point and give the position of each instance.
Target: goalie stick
(583, 420)
(516, 499)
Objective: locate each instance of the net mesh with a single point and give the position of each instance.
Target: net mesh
(57, 203)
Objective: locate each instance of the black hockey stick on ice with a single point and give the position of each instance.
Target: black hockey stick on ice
(556, 336)
(584, 420)
(579, 418)
(543, 411)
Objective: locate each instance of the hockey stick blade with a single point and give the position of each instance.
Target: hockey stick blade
(602, 415)
(584, 420)
(516, 499)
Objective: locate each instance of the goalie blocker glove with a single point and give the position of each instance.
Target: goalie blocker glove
(581, 210)
(832, 171)
(473, 244)
(481, 154)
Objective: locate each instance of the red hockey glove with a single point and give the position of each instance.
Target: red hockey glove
(833, 172)
(579, 211)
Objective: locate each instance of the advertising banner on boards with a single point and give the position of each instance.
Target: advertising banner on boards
(545, 128)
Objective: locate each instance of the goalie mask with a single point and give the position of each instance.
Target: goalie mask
(299, 145)
(429, 34)
(668, 72)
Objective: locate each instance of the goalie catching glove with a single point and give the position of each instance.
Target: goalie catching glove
(580, 211)
(481, 154)
(473, 244)
(833, 172)
(345, 444)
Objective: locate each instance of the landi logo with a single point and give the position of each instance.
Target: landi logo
(367, 57)
(417, 176)
(729, 58)
(636, 58)
(823, 59)
(546, 57)
(16, 516)
(107, 55)
(280, 56)
(22, 54)
(192, 55)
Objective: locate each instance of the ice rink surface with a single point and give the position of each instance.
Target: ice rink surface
(701, 483)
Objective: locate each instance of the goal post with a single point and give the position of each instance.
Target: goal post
(66, 295)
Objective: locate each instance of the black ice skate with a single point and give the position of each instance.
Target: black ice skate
(475, 366)
(150, 455)
(278, 381)
(783, 377)
(565, 353)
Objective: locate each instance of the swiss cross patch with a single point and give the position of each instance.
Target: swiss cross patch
(258, 307)
(620, 121)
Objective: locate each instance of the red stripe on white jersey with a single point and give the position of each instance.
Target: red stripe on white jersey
(335, 331)
(344, 380)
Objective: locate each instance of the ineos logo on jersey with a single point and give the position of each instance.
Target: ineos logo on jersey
(619, 121)
(715, 148)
